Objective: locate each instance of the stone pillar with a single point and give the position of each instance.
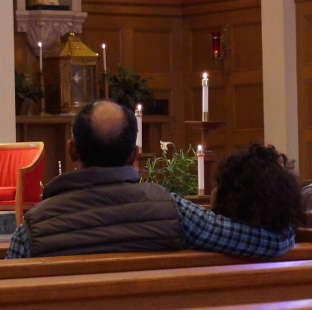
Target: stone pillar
(280, 76)
(7, 102)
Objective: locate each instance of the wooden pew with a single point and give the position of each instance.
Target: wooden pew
(180, 288)
(302, 235)
(3, 249)
(122, 262)
(300, 304)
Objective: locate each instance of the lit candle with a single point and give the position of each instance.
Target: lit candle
(104, 57)
(138, 114)
(201, 171)
(205, 84)
(40, 56)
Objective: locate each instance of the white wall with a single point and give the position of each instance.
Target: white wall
(280, 76)
(7, 96)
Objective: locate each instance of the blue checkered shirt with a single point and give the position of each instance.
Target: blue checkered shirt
(203, 230)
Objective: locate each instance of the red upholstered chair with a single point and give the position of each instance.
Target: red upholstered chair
(21, 171)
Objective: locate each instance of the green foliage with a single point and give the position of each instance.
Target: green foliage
(128, 88)
(177, 174)
(24, 90)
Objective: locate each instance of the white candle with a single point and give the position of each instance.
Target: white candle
(205, 85)
(104, 57)
(40, 56)
(201, 170)
(138, 114)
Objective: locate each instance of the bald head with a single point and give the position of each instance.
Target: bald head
(107, 119)
(104, 134)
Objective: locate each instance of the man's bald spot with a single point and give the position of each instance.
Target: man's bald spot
(107, 119)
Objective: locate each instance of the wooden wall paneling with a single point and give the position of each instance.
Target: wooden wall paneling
(20, 50)
(304, 78)
(150, 43)
(168, 43)
(307, 121)
(95, 37)
(246, 46)
(245, 55)
(146, 59)
(247, 107)
(308, 156)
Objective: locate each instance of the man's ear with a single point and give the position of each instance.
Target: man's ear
(72, 151)
(134, 156)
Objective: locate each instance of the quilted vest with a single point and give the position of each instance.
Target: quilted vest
(98, 210)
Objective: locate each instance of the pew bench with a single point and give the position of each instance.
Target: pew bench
(300, 304)
(3, 249)
(179, 288)
(123, 262)
(303, 235)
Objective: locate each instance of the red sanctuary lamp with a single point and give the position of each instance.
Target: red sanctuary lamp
(216, 44)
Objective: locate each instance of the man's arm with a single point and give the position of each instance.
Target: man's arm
(204, 230)
(19, 246)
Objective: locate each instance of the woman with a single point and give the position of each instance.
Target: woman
(256, 186)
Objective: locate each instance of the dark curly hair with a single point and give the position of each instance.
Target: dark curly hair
(256, 186)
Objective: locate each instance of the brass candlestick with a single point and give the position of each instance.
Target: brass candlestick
(209, 157)
(106, 87)
(42, 100)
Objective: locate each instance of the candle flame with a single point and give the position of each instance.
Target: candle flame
(205, 75)
(199, 147)
(103, 46)
(39, 44)
(139, 106)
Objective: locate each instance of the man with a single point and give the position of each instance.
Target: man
(101, 207)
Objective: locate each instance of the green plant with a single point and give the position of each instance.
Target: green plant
(177, 174)
(128, 88)
(24, 90)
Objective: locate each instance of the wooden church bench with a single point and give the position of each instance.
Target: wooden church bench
(122, 262)
(300, 304)
(4, 246)
(179, 288)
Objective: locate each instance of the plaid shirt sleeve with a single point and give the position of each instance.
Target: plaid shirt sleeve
(204, 230)
(19, 246)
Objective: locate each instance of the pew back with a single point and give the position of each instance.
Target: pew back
(121, 262)
(179, 288)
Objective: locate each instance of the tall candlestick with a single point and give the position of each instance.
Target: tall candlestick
(205, 84)
(59, 167)
(104, 56)
(40, 56)
(138, 114)
(201, 171)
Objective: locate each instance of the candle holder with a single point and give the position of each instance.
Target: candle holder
(209, 157)
(201, 172)
(42, 99)
(205, 116)
(205, 94)
(105, 86)
(138, 115)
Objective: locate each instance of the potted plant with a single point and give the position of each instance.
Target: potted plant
(128, 88)
(177, 173)
(25, 91)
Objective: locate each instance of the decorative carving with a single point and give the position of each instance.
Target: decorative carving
(47, 26)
